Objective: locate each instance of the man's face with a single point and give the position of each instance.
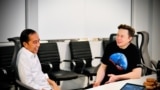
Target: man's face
(123, 39)
(33, 43)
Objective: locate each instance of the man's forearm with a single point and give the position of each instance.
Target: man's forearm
(136, 73)
(53, 84)
(100, 74)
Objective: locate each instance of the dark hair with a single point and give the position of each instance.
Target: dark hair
(131, 30)
(24, 37)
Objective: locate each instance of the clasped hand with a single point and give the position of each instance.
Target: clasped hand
(112, 78)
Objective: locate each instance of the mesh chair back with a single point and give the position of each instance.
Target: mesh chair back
(48, 53)
(105, 42)
(144, 50)
(17, 46)
(6, 71)
(6, 54)
(81, 50)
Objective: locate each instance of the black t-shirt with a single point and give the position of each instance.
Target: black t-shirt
(127, 59)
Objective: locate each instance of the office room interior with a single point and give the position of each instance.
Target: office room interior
(72, 19)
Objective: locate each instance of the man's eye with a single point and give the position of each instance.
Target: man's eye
(35, 42)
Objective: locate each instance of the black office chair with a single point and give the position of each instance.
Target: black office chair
(6, 72)
(49, 57)
(105, 42)
(18, 84)
(81, 54)
(112, 37)
(146, 60)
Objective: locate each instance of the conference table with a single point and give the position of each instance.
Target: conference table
(119, 84)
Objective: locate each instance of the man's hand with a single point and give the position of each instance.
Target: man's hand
(53, 84)
(95, 84)
(112, 78)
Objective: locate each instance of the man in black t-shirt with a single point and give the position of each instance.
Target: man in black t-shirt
(120, 60)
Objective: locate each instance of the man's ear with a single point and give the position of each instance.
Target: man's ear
(130, 38)
(24, 44)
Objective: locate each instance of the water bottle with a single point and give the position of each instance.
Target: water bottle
(158, 71)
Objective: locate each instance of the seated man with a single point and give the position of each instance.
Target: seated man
(29, 67)
(120, 60)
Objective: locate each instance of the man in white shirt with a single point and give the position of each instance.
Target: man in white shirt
(29, 67)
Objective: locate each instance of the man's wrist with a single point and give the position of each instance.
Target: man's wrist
(96, 82)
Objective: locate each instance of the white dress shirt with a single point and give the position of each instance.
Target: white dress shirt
(30, 71)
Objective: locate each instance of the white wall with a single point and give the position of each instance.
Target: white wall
(60, 19)
(145, 16)
(142, 15)
(12, 18)
(80, 18)
(98, 18)
(32, 14)
(155, 42)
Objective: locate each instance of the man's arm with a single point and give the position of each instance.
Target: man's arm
(100, 75)
(25, 73)
(135, 73)
(53, 84)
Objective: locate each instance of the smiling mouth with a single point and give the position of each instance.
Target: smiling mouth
(118, 42)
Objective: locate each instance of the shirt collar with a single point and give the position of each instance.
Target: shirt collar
(30, 53)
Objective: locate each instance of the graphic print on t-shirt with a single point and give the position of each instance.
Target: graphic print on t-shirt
(119, 60)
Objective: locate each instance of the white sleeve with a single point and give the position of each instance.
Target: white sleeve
(25, 74)
(46, 75)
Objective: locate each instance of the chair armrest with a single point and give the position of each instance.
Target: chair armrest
(47, 64)
(75, 60)
(84, 64)
(96, 61)
(46, 67)
(3, 71)
(143, 65)
(74, 63)
(69, 66)
(154, 63)
(67, 61)
(97, 57)
(23, 86)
